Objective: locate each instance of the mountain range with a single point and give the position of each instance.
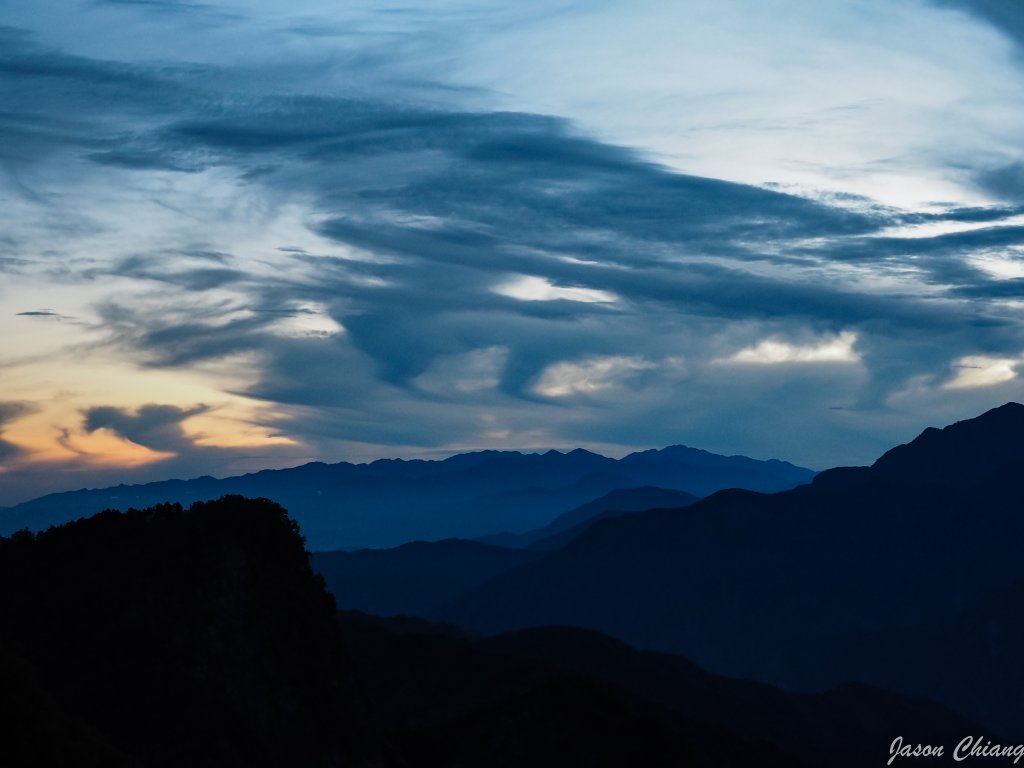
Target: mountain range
(801, 626)
(419, 577)
(391, 501)
(905, 574)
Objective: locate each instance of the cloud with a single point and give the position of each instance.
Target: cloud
(529, 288)
(157, 427)
(464, 232)
(1006, 182)
(866, 100)
(1005, 15)
(588, 377)
(404, 273)
(838, 349)
(167, 440)
(164, 5)
(976, 371)
(48, 314)
(11, 411)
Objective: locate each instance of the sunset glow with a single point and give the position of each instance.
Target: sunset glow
(243, 235)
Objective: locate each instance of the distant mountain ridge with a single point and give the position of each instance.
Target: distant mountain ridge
(904, 575)
(392, 501)
(420, 578)
(569, 524)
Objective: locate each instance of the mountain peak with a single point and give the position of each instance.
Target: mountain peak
(581, 452)
(960, 455)
(667, 451)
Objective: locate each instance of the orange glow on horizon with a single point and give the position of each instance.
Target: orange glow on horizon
(65, 376)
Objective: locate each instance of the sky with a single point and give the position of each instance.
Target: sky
(237, 235)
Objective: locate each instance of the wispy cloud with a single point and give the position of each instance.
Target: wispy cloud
(157, 427)
(372, 262)
(837, 349)
(8, 413)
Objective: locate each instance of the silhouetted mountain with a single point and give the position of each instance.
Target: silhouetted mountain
(510, 695)
(569, 524)
(843, 726)
(978, 650)
(959, 456)
(422, 578)
(169, 637)
(390, 502)
(563, 721)
(810, 587)
(196, 638)
(701, 472)
(413, 579)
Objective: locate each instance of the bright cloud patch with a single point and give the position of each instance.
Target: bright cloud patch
(588, 377)
(836, 349)
(305, 321)
(1008, 265)
(918, 230)
(466, 373)
(980, 371)
(530, 288)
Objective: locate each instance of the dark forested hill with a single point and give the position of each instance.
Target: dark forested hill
(390, 502)
(578, 698)
(173, 637)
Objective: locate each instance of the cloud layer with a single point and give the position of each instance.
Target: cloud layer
(345, 262)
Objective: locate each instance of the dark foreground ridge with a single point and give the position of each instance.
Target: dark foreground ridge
(168, 637)
(573, 697)
(200, 637)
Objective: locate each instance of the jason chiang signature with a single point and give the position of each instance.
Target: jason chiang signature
(967, 748)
